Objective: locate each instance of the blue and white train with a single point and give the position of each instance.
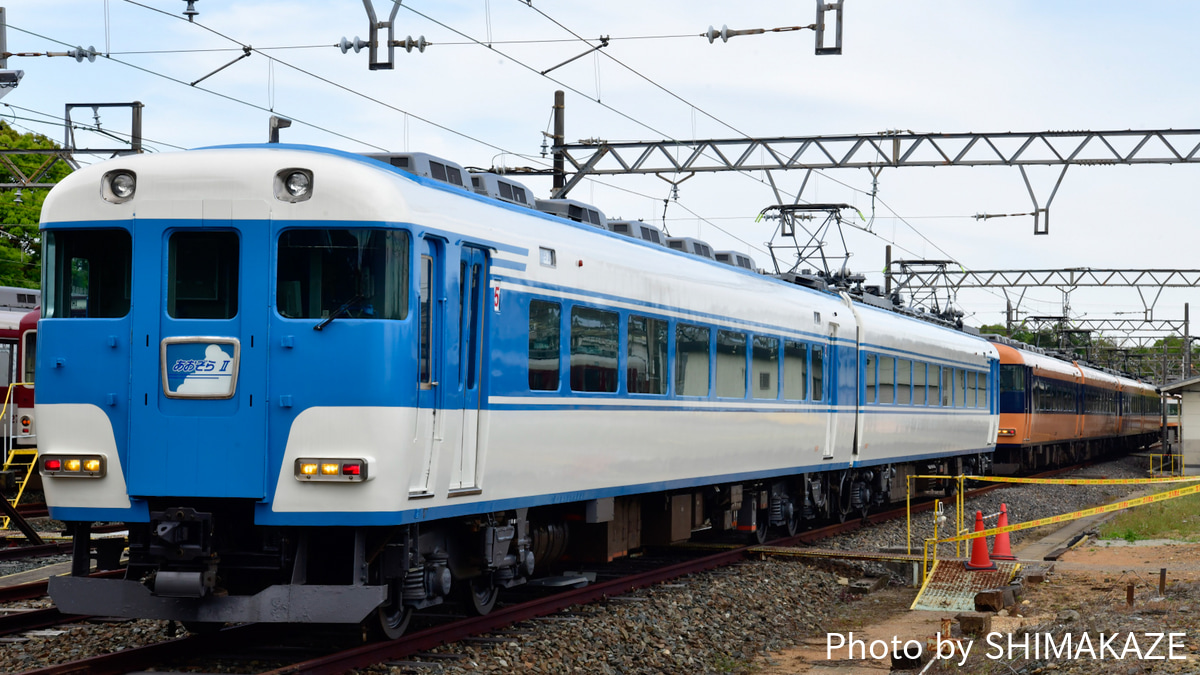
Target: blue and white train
(321, 388)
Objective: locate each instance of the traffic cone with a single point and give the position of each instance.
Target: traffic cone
(1001, 550)
(979, 554)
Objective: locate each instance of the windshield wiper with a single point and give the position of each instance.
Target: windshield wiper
(337, 312)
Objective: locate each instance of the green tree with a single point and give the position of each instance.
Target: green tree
(20, 245)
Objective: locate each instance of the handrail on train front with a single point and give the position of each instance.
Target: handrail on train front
(8, 425)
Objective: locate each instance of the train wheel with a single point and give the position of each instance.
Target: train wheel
(481, 595)
(843, 504)
(793, 520)
(760, 534)
(390, 622)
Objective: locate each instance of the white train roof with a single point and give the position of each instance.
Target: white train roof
(592, 264)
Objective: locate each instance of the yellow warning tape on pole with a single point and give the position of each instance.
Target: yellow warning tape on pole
(1062, 518)
(1085, 481)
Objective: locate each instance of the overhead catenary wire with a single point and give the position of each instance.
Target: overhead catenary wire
(427, 121)
(696, 108)
(315, 76)
(489, 45)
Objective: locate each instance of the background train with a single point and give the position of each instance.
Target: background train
(1055, 412)
(322, 387)
(18, 344)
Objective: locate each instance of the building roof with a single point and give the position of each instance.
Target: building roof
(1190, 384)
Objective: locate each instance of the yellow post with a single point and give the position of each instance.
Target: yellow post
(960, 504)
(937, 515)
(908, 509)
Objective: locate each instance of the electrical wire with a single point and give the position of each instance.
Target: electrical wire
(639, 74)
(439, 126)
(369, 98)
(227, 97)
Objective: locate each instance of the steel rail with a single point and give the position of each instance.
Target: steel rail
(19, 622)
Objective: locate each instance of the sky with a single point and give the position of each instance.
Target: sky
(476, 96)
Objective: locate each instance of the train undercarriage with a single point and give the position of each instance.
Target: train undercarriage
(188, 564)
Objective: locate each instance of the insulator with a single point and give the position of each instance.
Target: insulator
(79, 54)
(346, 45)
(408, 44)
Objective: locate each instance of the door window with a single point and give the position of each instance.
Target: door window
(202, 275)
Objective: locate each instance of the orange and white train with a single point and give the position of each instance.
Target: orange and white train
(1055, 412)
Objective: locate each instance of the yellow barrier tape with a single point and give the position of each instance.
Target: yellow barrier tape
(1062, 518)
(1085, 481)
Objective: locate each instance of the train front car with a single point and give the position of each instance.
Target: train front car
(321, 389)
(227, 338)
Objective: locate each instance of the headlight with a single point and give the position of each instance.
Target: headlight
(293, 185)
(118, 186)
(297, 183)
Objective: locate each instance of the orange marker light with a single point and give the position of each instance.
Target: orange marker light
(73, 464)
(308, 469)
(92, 465)
(330, 469)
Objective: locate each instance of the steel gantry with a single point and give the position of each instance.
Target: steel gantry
(890, 149)
(923, 279)
(1120, 338)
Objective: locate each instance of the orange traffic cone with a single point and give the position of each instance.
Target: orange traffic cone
(1001, 549)
(979, 554)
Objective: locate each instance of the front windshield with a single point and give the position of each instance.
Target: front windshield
(357, 273)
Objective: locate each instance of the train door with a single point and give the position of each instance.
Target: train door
(825, 367)
(472, 284)
(431, 311)
(198, 413)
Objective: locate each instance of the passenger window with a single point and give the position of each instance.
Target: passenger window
(202, 275)
(765, 363)
(818, 372)
(356, 273)
(691, 360)
(935, 389)
(947, 387)
(887, 379)
(646, 365)
(595, 335)
(795, 370)
(871, 378)
(86, 273)
(731, 364)
(903, 381)
(919, 382)
(545, 327)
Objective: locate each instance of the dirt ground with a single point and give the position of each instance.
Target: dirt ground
(1091, 579)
